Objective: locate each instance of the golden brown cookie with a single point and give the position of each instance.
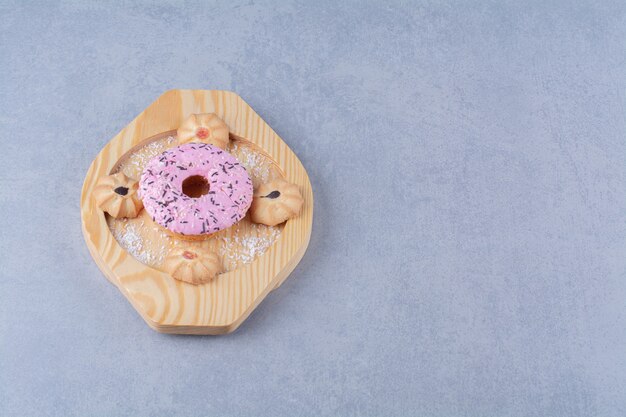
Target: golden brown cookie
(117, 195)
(195, 266)
(275, 202)
(205, 128)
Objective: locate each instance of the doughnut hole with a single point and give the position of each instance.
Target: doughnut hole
(195, 186)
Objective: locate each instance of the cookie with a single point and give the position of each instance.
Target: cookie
(204, 128)
(275, 202)
(117, 195)
(192, 265)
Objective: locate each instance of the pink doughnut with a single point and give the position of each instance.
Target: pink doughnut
(195, 189)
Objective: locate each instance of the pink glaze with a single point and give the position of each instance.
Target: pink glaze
(228, 199)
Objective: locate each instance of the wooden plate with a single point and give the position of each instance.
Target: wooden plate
(168, 305)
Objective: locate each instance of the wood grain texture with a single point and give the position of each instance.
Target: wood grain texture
(171, 306)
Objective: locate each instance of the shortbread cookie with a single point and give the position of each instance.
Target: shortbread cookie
(117, 195)
(275, 202)
(195, 266)
(205, 128)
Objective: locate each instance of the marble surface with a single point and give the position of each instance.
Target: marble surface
(469, 248)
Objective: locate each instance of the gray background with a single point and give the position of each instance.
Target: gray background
(469, 168)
